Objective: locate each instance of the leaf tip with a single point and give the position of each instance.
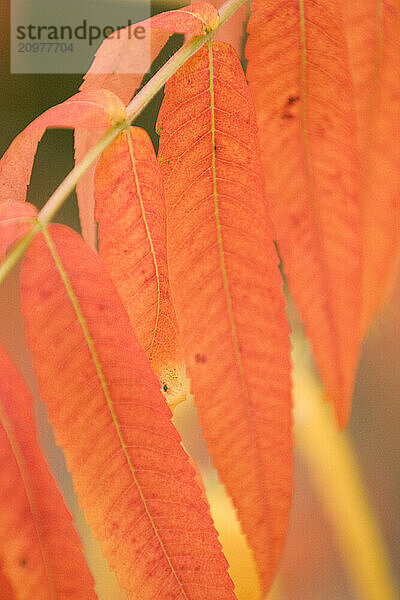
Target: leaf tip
(175, 385)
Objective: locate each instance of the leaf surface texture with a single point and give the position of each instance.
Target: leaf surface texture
(227, 290)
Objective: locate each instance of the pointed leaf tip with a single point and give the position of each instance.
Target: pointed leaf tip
(298, 72)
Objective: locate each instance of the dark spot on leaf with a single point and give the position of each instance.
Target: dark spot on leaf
(291, 101)
(22, 562)
(200, 358)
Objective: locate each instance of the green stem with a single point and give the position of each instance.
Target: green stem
(134, 108)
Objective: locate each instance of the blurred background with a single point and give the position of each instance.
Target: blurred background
(313, 566)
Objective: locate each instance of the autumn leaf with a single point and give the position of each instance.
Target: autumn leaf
(299, 76)
(130, 211)
(373, 40)
(227, 290)
(130, 472)
(120, 65)
(6, 591)
(40, 552)
(122, 60)
(16, 220)
(94, 109)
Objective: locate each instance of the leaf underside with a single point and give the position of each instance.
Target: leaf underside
(299, 76)
(130, 472)
(227, 291)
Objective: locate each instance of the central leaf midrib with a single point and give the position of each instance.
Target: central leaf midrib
(104, 386)
(149, 237)
(224, 273)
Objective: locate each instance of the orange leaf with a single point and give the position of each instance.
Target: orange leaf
(40, 552)
(94, 109)
(122, 61)
(6, 591)
(130, 471)
(299, 76)
(119, 65)
(227, 290)
(373, 40)
(15, 222)
(130, 210)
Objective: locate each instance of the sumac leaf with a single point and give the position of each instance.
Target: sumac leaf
(40, 552)
(130, 472)
(227, 290)
(373, 36)
(299, 76)
(130, 211)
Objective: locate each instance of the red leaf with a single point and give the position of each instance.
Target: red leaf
(94, 109)
(130, 472)
(299, 76)
(227, 290)
(40, 552)
(130, 210)
(15, 221)
(373, 40)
